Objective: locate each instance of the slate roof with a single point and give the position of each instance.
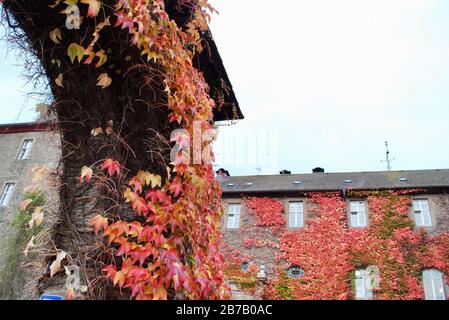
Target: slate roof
(380, 180)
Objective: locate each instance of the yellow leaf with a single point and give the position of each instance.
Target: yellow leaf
(71, 2)
(149, 179)
(42, 108)
(103, 58)
(94, 7)
(56, 36)
(36, 217)
(86, 172)
(104, 80)
(160, 293)
(119, 278)
(56, 265)
(59, 80)
(129, 195)
(156, 181)
(97, 131)
(30, 244)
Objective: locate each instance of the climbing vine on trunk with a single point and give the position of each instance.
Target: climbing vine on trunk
(123, 77)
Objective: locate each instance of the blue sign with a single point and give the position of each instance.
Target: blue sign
(50, 297)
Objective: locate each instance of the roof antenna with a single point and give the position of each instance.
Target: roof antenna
(387, 160)
(259, 170)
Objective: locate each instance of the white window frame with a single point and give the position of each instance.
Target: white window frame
(421, 212)
(25, 149)
(7, 192)
(357, 214)
(434, 285)
(233, 216)
(296, 214)
(363, 286)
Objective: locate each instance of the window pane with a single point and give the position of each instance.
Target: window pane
(291, 219)
(233, 216)
(426, 213)
(363, 290)
(417, 205)
(354, 219)
(237, 221)
(433, 282)
(359, 288)
(300, 221)
(422, 213)
(25, 149)
(358, 214)
(362, 219)
(295, 214)
(7, 192)
(230, 221)
(418, 218)
(426, 219)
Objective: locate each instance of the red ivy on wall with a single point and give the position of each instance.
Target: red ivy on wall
(329, 251)
(268, 212)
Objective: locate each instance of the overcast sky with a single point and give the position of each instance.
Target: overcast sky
(321, 83)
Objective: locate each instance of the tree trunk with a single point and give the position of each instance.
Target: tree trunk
(134, 107)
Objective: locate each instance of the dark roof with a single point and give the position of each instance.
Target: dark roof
(209, 62)
(381, 180)
(27, 127)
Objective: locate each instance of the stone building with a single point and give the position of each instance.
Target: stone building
(29, 158)
(26, 149)
(247, 237)
(30, 154)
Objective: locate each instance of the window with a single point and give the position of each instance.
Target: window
(433, 281)
(358, 214)
(244, 266)
(295, 272)
(6, 194)
(296, 215)
(25, 149)
(422, 213)
(363, 285)
(234, 216)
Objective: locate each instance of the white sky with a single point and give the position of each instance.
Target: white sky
(329, 80)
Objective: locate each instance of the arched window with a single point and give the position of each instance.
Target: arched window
(363, 287)
(366, 281)
(433, 281)
(295, 272)
(244, 266)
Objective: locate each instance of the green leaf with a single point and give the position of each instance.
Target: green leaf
(75, 50)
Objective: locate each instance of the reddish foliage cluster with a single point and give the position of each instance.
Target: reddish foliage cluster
(268, 212)
(329, 251)
(321, 250)
(157, 259)
(258, 243)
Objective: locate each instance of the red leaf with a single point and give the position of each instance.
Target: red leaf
(140, 206)
(99, 222)
(176, 187)
(112, 166)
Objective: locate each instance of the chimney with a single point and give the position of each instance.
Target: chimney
(223, 173)
(285, 172)
(318, 170)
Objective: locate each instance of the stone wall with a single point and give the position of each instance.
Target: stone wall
(38, 170)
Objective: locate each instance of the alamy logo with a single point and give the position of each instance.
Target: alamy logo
(73, 20)
(193, 150)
